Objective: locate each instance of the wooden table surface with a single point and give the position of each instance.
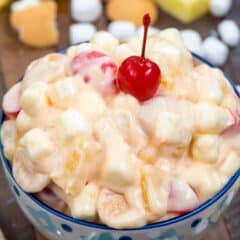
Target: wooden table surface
(14, 57)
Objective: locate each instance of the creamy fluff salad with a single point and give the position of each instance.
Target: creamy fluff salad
(98, 154)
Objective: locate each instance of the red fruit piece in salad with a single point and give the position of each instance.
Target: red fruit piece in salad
(235, 126)
(49, 197)
(11, 101)
(182, 198)
(97, 69)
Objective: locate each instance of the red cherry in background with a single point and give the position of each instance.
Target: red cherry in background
(137, 75)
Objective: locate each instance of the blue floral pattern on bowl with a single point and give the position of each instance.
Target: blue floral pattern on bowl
(169, 235)
(42, 219)
(102, 236)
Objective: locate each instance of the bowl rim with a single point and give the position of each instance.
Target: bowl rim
(150, 226)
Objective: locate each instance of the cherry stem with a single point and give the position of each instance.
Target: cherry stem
(146, 23)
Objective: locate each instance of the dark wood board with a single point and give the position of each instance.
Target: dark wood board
(14, 57)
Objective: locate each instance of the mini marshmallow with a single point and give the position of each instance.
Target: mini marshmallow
(229, 32)
(215, 51)
(8, 136)
(192, 40)
(37, 144)
(122, 29)
(230, 164)
(119, 169)
(127, 103)
(22, 4)
(169, 128)
(81, 32)
(151, 30)
(84, 206)
(11, 100)
(171, 52)
(220, 8)
(157, 197)
(173, 36)
(204, 180)
(105, 40)
(72, 124)
(33, 99)
(23, 122)
(135, 44)
(209, 118)
(62, 93)
(122, 52)
(86, 11)
(206, 148)
(95, 106)
(209, 89)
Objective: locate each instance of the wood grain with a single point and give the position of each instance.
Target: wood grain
(14, 58)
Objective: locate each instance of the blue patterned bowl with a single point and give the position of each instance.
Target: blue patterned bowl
(56, 225)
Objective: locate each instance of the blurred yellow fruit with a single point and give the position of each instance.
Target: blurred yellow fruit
(185, 11)
(3, 3)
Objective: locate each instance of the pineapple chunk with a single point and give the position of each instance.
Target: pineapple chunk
(185, 11)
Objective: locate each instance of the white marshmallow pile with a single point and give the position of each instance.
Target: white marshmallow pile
(84, 12)
(220, 8)
(213, 49)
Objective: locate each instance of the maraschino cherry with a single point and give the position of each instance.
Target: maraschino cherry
(137, 75)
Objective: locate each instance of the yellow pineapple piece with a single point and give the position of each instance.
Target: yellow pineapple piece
(185, 10)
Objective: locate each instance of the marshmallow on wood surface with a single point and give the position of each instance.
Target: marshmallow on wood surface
(122, 29)
(220, 8)
(215, 51)
(86, 11)
(229, 32)
(192, 40)
(81, 32)
(35, 22)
